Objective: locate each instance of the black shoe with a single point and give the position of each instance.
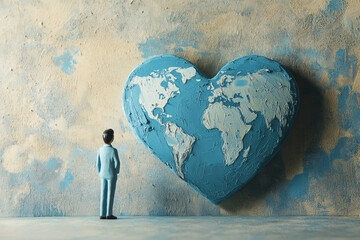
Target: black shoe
(102, 217)
(111, 217)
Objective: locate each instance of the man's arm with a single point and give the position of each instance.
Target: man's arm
(98, 162)
(117, 162)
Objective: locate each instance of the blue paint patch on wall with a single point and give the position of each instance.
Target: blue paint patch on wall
(313, 56)
(53, 164)
(349, 110)
(69, 178)
(67, 61)
(344, 149)
(345, 65)
(165, 44)
(283, 47)
(317, 163)
(335, 5)
(298, 187)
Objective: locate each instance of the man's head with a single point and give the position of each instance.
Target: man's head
(108, 136)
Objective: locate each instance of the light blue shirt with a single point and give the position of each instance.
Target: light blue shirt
(108, 163)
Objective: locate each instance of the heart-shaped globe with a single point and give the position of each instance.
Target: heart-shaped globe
(215, 134)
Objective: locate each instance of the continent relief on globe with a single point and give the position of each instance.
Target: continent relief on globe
(216, 134)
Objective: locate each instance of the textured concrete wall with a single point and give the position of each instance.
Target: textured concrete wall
(62, 72)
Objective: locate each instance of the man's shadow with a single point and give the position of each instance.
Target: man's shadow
(307, 130)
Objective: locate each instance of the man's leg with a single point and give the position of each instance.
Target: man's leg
(103, 197)
(111, 194)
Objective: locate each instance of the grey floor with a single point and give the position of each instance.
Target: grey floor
(181, 228)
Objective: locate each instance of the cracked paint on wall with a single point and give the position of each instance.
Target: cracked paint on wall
(47, 114)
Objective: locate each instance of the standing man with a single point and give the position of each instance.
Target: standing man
(108, 166)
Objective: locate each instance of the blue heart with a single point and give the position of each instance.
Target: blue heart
(217, 133)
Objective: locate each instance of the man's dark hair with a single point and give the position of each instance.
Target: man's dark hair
(108, 135)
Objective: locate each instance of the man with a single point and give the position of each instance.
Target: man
(108, 166)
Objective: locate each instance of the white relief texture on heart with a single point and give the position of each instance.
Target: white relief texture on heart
(155, 92)
(247, 94)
